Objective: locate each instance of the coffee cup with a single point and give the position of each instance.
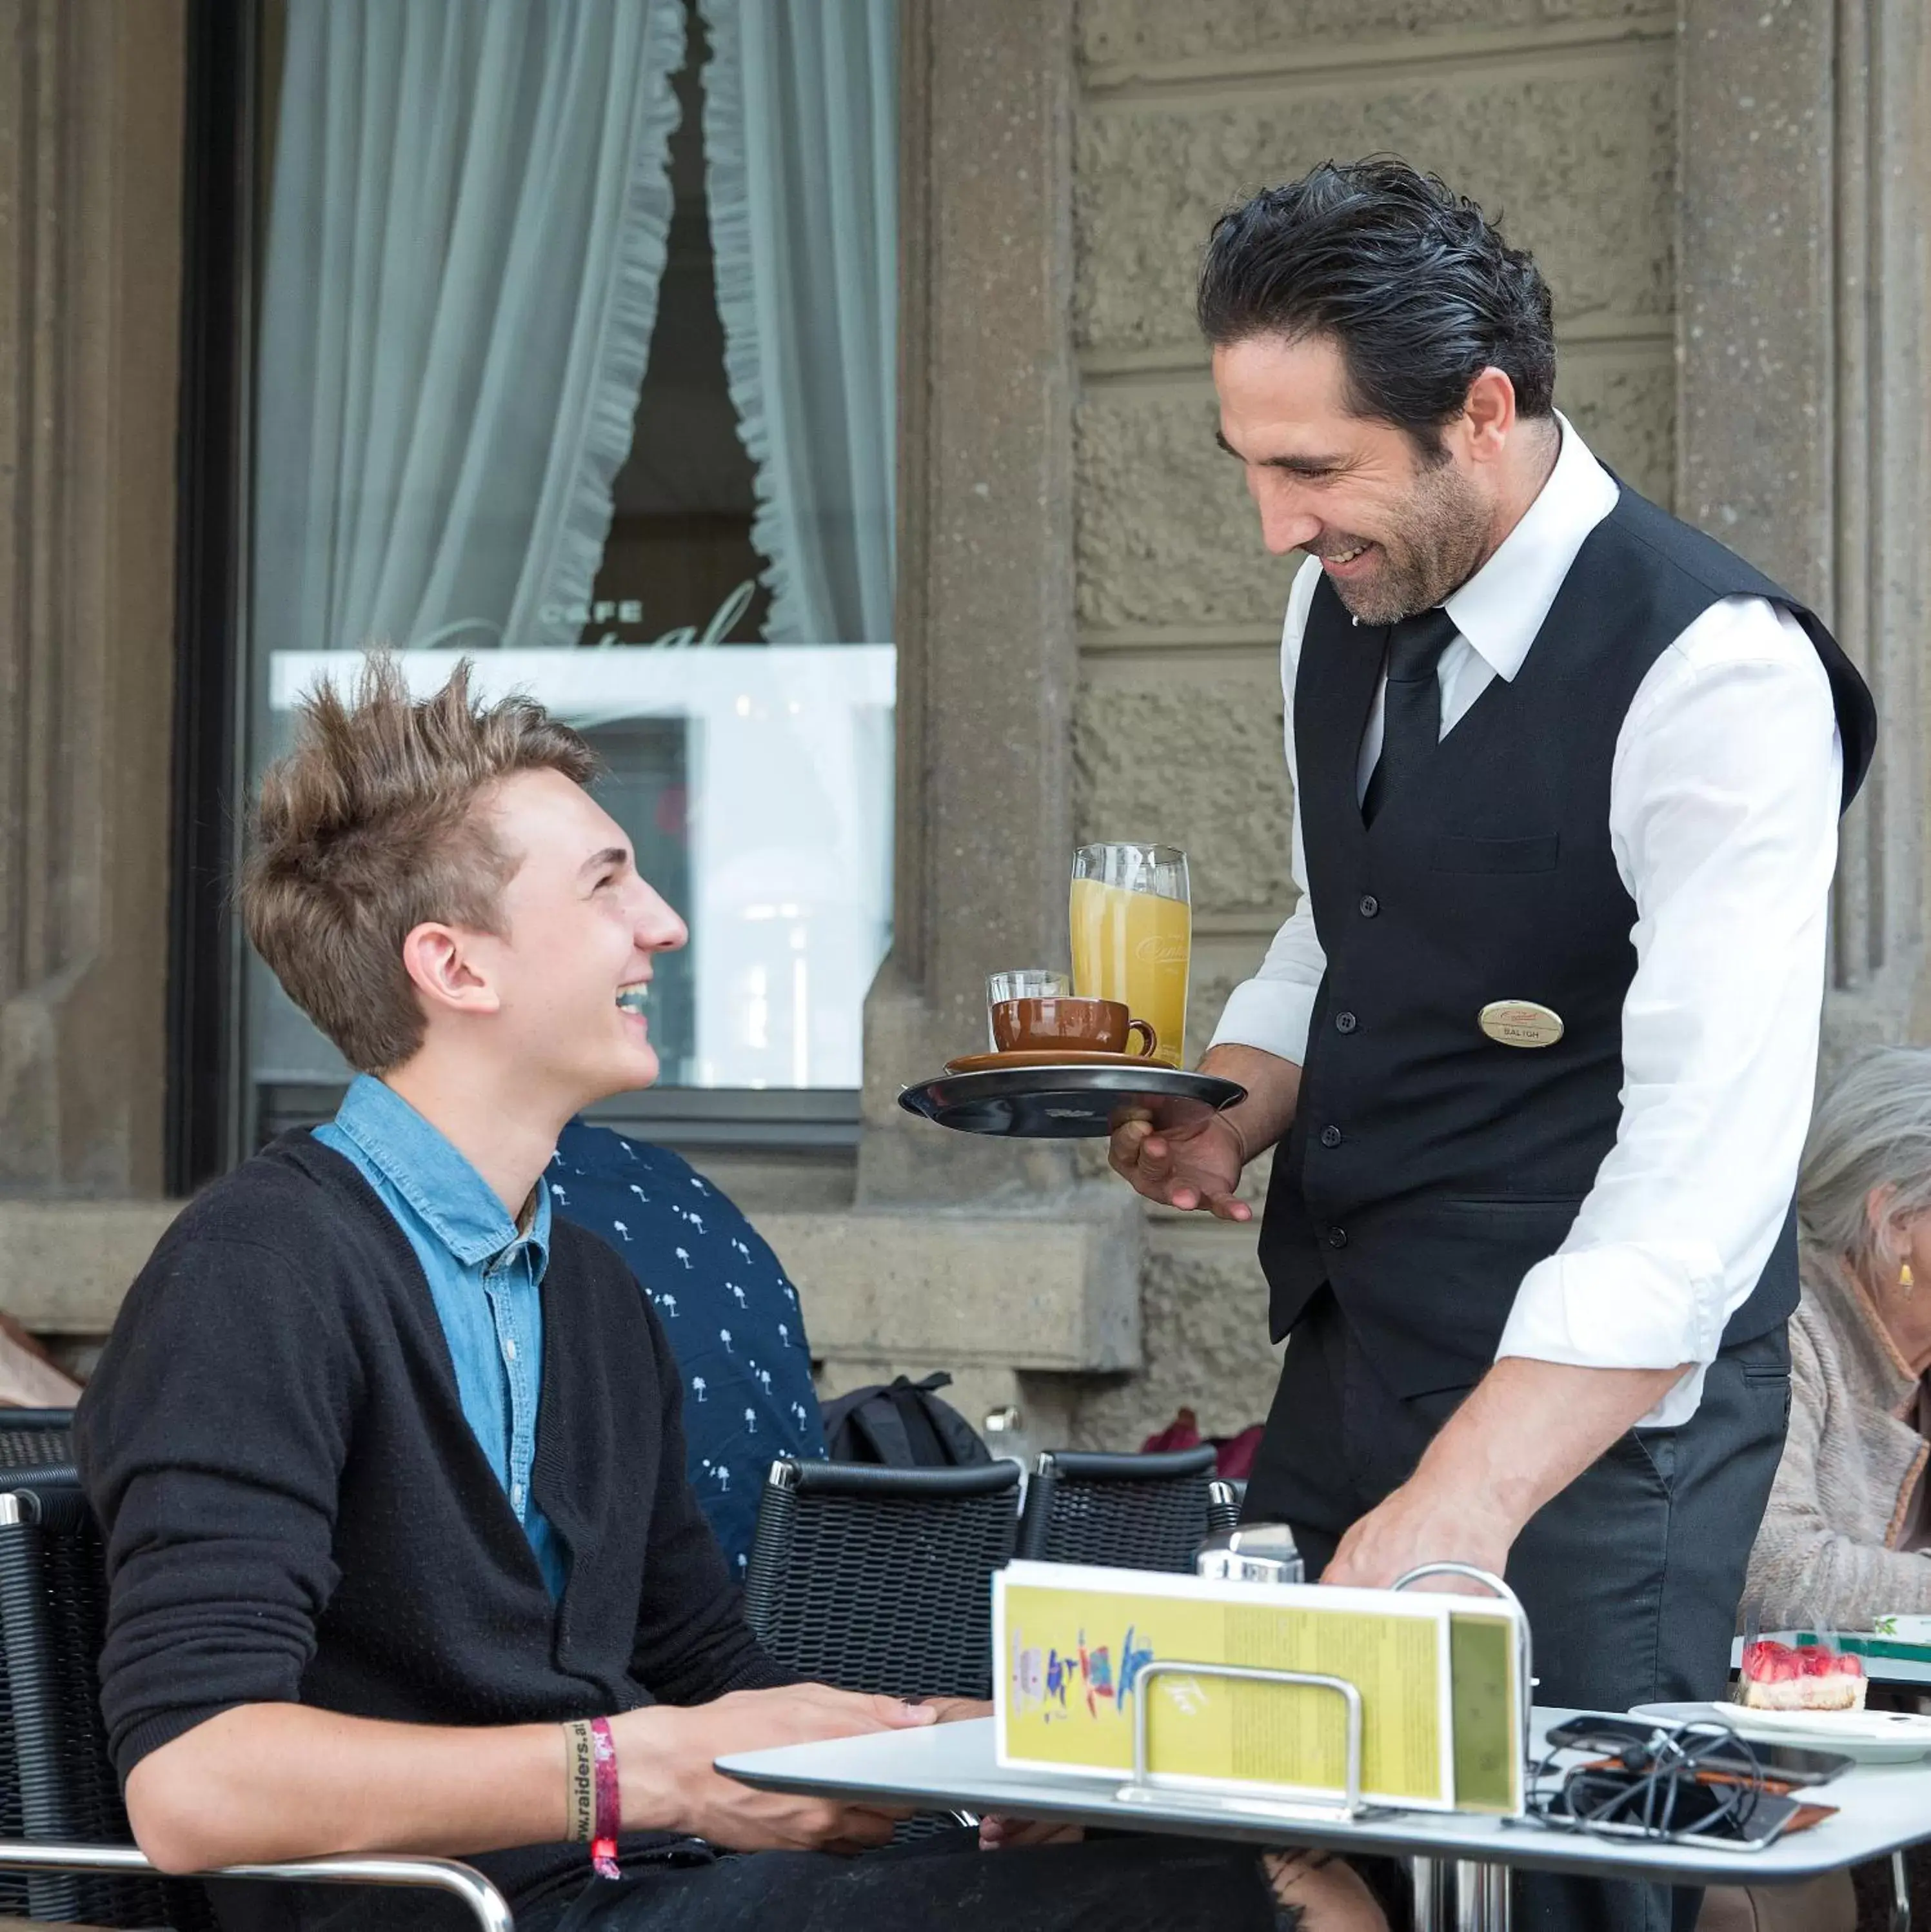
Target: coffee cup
(1063, 1021)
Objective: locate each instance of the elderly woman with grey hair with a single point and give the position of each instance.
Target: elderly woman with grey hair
(1847, 1537)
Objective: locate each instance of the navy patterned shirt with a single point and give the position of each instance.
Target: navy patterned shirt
(731, 1316)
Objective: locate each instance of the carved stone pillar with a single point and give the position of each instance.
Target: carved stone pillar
(1802, 419)
(987, 657)
(90, 102)
(988, 1257)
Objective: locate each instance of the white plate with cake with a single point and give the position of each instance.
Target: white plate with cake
(1808, 1693)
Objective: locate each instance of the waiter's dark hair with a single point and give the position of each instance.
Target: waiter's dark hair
(1415, 283)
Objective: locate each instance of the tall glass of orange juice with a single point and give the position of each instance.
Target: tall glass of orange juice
(1133, 935)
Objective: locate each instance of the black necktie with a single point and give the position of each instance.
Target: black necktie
(1412, 714)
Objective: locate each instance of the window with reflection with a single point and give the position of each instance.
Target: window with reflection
(573, 354)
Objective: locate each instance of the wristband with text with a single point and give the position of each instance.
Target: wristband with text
(580, 1776)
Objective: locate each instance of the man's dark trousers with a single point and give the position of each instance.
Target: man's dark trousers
(1631, 1576)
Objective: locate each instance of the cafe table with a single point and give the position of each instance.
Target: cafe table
(1880, 1810)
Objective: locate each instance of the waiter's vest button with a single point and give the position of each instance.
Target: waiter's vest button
(1337, 1238)
(1331, 1137)
(1345, 1023)
(1370, 905)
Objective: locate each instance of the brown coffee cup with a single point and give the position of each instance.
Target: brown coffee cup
(1087, 1026)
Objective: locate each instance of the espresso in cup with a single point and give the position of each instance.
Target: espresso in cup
(1064, 1021)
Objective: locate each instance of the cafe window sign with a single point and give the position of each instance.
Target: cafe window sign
(575, 356)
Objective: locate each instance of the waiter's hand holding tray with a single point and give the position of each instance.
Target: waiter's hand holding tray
(1074, 1056)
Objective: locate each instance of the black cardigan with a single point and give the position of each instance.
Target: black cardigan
(297, 1509)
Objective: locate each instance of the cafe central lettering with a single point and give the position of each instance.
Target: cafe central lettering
(630, 611)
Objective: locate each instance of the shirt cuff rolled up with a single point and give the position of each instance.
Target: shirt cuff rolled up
(1626, 1305)
(1273, 1015)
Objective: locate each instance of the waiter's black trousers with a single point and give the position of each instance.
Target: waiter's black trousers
(1631, 1577)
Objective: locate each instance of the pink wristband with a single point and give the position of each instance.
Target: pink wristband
(609, 1804)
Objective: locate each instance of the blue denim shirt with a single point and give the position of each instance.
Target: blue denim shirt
(485, 1274)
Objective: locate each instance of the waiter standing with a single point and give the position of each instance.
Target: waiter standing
(1535, 1048)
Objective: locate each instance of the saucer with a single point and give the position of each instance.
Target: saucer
(1047, 1056)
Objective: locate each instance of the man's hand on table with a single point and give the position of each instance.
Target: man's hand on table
(664, 1754)
(957, 1710)
(996, 1832)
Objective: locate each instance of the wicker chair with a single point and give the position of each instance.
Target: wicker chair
(1150, 1512)
(66, 1852)
(36, 1438)
(879, 1578)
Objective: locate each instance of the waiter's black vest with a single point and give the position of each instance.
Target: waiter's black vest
(1430, 1167)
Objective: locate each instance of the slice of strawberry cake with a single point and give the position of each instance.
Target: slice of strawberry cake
(1811, 1677)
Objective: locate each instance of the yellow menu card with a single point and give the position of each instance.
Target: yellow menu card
(1071, 1642)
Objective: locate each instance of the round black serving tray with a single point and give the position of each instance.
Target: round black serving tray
(1058, 1103)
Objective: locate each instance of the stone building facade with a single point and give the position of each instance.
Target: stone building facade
(1729, 197)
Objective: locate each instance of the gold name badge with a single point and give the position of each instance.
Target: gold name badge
(1520, 1023)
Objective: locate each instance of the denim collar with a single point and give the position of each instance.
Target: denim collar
(422, 1165)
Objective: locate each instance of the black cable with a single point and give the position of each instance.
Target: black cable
(1640, 1794)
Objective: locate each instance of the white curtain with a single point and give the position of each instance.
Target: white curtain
(465, 232)
(800, 133)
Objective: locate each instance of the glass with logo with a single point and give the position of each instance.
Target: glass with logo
(1132, 935)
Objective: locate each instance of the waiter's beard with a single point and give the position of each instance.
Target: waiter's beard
(1437, 542)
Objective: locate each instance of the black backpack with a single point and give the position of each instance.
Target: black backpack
(904, 1425)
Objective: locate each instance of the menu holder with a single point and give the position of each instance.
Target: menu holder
(1142, 1790)
(1286, 1700)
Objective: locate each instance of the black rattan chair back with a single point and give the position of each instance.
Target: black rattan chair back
(1149, 1512)
(877, 1578)
(35, 1439)
(56, 1780)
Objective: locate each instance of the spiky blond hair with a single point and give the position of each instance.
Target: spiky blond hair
(370, 826)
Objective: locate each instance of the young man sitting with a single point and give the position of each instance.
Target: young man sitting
(389, 1457)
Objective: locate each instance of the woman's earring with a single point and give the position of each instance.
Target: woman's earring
(1906, 1281)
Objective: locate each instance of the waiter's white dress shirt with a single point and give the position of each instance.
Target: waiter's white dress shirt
(1723, 805)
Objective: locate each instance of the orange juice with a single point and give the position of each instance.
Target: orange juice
(1135, 946)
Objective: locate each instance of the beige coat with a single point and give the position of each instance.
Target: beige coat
(1828, 1551)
